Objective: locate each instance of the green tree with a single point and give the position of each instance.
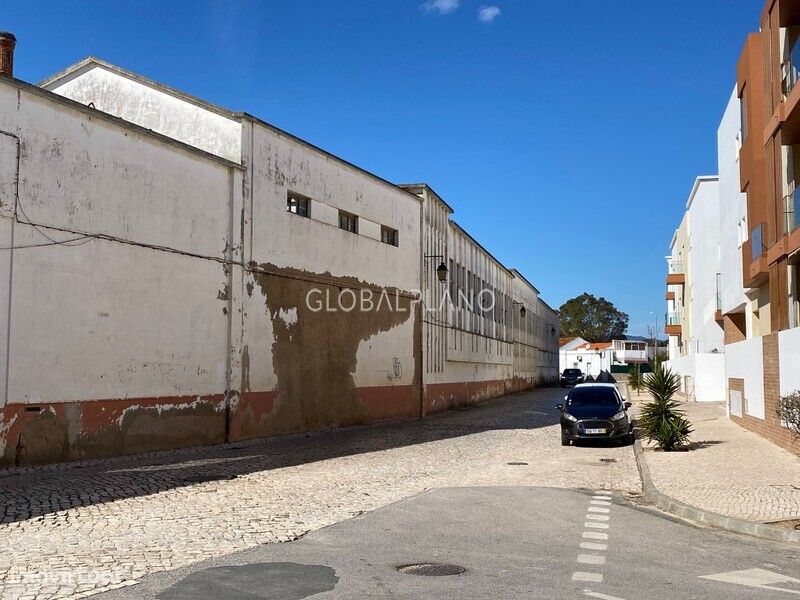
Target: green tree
(593, 319)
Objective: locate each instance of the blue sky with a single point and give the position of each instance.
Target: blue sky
(565, 134)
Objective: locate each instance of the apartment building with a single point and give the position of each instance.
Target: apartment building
(757, 238)
(693, 322)
(179, 274)
(766, 359)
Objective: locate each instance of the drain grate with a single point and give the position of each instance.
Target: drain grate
(431, 569)
(517, 463)
(608, 460)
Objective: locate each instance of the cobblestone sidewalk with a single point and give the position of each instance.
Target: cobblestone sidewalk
(73, 531)
(729, 470)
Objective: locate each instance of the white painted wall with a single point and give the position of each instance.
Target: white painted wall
(732, 208)
(709, 378)
(744, 360)
(151, 106)
(789, 348)
(112, 319)
(704, 258)
(590, 362)
(317, 246)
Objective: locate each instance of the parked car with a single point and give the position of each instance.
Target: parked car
(595, 411)
(572, 377)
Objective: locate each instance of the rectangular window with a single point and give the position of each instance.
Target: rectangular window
(297, 204)
(389, 235)
(348, 221)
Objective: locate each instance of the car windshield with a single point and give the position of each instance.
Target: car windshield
(593, 396)
(572, 372)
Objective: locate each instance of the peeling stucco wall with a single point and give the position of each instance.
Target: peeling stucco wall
(149, 328)
(175, 309)
(122, 95)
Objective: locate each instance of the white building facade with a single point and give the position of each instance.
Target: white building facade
(693, 321)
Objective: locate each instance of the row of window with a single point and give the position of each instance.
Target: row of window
(301, 206)
(481, 302)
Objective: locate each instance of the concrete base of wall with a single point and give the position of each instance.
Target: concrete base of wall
(68, 431)
(54, 432)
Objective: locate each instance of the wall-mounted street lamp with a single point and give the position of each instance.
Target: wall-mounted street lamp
(441, 270)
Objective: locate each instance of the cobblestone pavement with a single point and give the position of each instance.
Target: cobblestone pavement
(71, 531)
(728, 470)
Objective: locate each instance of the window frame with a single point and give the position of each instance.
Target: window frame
(394, 236)
(349, 217)
(299, 199)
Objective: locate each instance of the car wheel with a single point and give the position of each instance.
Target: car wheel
(564, 441)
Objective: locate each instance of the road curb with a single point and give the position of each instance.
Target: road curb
(670, 505)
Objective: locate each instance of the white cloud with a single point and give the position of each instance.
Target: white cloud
(443, 7)
(487, 14)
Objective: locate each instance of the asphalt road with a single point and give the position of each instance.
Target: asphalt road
(514, 542)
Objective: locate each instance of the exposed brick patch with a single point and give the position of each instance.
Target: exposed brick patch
(769, 427)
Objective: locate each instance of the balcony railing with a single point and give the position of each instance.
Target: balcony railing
(789, 72)
(757, 238)
(790, 211)
(719, 291)
(674, 266)
(672, 318)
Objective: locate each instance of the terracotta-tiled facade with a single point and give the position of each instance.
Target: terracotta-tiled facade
(765, 331)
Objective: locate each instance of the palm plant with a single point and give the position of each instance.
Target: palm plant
(660, 420)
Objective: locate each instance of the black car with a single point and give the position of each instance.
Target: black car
(572, 377)
(595, 411)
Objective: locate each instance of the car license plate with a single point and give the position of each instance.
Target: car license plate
(590, 431)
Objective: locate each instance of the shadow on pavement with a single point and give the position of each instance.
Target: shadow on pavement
(42, 491)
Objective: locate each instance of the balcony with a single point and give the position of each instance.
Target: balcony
(789, 72)
(790, 211)
(676, 275)
(718, 311)
(672, 323)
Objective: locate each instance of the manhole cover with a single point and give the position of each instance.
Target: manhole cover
(431, 569)
(516, 463)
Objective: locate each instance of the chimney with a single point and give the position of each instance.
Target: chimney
(7, 43)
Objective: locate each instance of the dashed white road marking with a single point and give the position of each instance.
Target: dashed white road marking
(593, 546)
(591, 559)
(592, 594)
(593, 520)
(583, 576)
(598, 509)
